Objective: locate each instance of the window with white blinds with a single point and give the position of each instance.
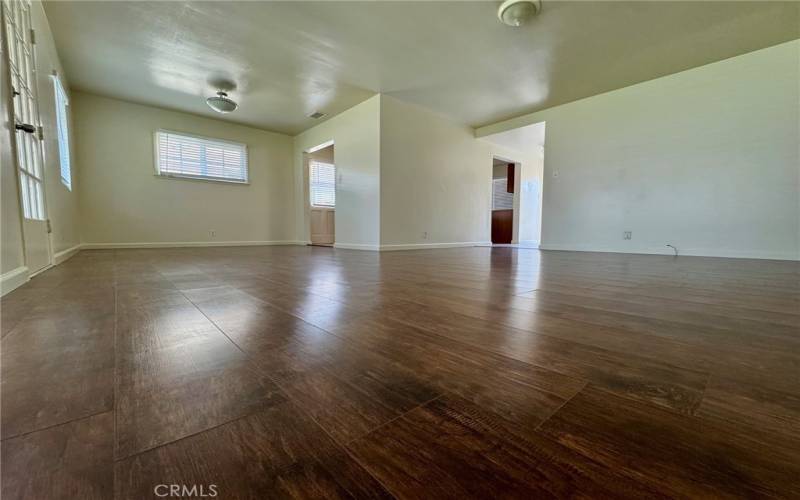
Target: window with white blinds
(63, 133)
(323, 184)
(501, 198)
(182, 155)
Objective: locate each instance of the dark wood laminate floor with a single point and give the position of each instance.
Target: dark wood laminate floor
(310, 372)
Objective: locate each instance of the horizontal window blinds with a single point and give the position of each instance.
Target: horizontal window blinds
(202, 158)
(501, 198)
(323, 184)
(63, 133)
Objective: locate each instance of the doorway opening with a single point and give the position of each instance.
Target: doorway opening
(503, 201)
(527, 145)
(321, 205)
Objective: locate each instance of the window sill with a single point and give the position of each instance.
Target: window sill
(202, 179)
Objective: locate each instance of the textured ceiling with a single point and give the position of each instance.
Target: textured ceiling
(292, 58)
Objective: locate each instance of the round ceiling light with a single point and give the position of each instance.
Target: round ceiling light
(221, 103)
(516, 12)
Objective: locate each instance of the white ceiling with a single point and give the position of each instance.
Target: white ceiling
(527, 139)
(292, 58)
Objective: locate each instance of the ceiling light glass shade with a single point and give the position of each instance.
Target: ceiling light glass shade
(221, 103)
(516, 12)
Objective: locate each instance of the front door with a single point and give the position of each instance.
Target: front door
(22, 69)
(322, 225)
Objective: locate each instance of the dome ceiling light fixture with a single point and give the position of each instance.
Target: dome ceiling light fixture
(517, 12)
(221, 103)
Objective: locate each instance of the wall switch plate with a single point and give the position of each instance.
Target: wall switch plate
(555, 173)
(627, 235)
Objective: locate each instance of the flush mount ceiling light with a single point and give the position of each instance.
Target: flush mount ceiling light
(221, 103)
(516, 12)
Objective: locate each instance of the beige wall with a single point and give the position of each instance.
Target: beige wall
(500, 170)
(355, 133)
(530, 196)
(124, 202)
(706, 160)
(435, 178)
(324, 155)
(62, 204)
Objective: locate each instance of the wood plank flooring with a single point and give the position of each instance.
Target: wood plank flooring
(309, 372)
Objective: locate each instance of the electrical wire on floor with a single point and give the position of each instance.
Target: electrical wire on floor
(674, 249)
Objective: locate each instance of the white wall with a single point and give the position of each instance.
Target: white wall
(63, 206)
(355, 133)
(706, 160)
(530, 194)
(124, 202)
(435, 178)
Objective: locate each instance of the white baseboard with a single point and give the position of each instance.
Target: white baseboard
(183, 244)
(692, 252)
(529, 244)
(13, 279)
(411, 246)
(425, 246)
(356, 246)
(64, 255)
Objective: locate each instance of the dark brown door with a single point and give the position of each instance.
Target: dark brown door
(502, 226)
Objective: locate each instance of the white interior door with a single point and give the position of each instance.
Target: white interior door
(30, 170)
(322, 225)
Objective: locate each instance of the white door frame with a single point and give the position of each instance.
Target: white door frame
(307, 186)
(11, 103)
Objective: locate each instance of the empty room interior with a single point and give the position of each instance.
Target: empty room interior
(400, 249)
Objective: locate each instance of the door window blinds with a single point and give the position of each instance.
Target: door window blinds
(181, 155)
(323, 184)
(501, 198)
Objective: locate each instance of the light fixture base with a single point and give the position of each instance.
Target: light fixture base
(516, 12)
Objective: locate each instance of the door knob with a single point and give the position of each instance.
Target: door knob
(25, 127)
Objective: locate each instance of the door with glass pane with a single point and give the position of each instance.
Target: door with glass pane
(322, 184)
(22, 70)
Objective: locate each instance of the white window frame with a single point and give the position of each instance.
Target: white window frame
(207, 178)
(62, 132)
(311, 183)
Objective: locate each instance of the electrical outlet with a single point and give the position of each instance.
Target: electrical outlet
(212, 234)
(425, 235)
(555, 173)
(627, 235)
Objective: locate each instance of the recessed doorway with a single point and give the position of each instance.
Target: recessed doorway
(502, 217)
(321, 168)
(526, 147)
